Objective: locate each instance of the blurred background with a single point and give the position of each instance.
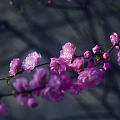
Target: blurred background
(32, 25)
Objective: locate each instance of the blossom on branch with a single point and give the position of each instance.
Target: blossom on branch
(15, 66)
(114, 38)
(58, 66)
(90, 77)
(32, 60)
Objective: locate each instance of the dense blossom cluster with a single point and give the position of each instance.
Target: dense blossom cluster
(31, 61)
(89, 70)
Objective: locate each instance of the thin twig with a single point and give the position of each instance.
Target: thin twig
(23, 71)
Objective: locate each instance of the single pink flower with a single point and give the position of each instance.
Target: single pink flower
(21, 84)
(78, 63)
(106, 55)
(15, 66)
(96, 49)
(114, 38)
(87, 54)
(58, 66)
(67, 52)
(32, 60)
(32, 103)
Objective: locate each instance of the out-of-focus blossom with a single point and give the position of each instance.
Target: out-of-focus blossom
(49, 1)
(75, 89)
(3, 109)
(21, 84)
(90, 77)
(22, 99)
(107, 66)
(66, 82)
(70, 0)
(40, 78)
(32, 102)
(53, 89)
(91, 63)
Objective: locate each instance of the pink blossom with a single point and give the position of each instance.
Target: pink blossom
(67, 52)
(22, 99)
(78, 63)
(39, 79)
(114, 38)
(15, 66)
(91, 63)
(107, 66)
(50, 93)
(117, 47)
(58, 66)
(32, 103)
(54, 82)
(41, 75)
(87, 54)
(52, 90)
(32, 60)
(90, 77)
(106, 55)
(96, 49)
(21, 84)
(66, 82)
(49, 1)
(3, 109)
(118, 55)
(75, 89)
(118, 61)
(102, 73)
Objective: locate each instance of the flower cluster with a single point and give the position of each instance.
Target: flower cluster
(31, 61)
(22, 84)
(54, 83)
